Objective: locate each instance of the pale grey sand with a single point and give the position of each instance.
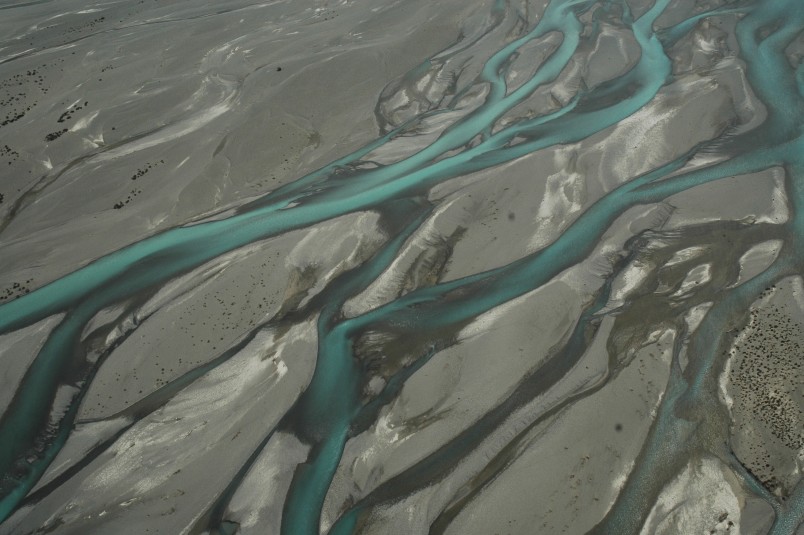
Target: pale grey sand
(608, 379)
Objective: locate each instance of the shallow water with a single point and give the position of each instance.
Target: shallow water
(354, 268)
